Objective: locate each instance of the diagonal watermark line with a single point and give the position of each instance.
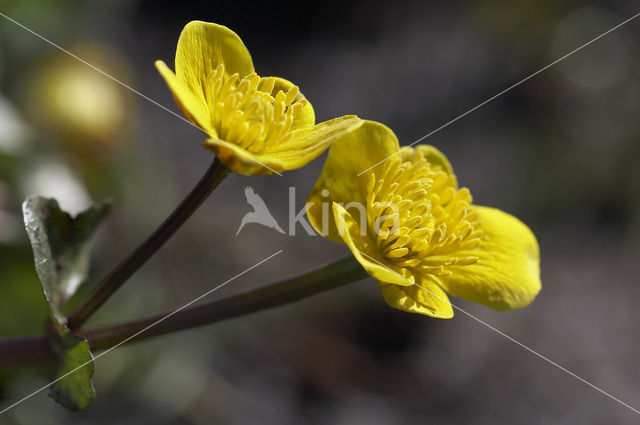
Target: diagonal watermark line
(505, 90)
(95, 68)
(515, 341)
(141, 331)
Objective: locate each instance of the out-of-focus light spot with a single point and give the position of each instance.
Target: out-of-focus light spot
(85, 110)
(86, 101)
(13, 132)
(54, 180)
(601, 64)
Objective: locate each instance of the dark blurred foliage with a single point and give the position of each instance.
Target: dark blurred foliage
(559, 151)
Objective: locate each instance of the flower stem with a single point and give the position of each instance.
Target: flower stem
(330, 276)
(325, 278)
(25, 350)
(123, 271)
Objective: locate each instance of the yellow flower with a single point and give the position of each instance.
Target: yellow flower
(88, 114)
(254, 125)
(413, 229)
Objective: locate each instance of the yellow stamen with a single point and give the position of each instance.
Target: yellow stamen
(419, 219)
(247, 113)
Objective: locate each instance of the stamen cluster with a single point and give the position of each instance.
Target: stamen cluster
(245, 111)
(419, 219)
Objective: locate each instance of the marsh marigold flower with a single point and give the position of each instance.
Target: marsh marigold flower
(87, 113)
(413, 229)
(255, 125)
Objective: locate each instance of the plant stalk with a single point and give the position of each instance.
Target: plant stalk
(325, 278)
(25, 350)
(123, 271)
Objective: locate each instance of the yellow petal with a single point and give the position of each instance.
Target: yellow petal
(306, 144)
(365, 250)
(507, 275)
(430, 153)
(191, 106)
(202, 46)
(306, 117)
(349, 155)
(428, 298)
(303, 146)
(240, 160)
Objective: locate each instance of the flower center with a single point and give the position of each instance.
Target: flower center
(245, 111)
(418, 217)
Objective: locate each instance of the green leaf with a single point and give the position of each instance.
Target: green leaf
(75, 389)
(60, 246)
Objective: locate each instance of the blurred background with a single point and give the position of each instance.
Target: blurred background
(560, 151)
